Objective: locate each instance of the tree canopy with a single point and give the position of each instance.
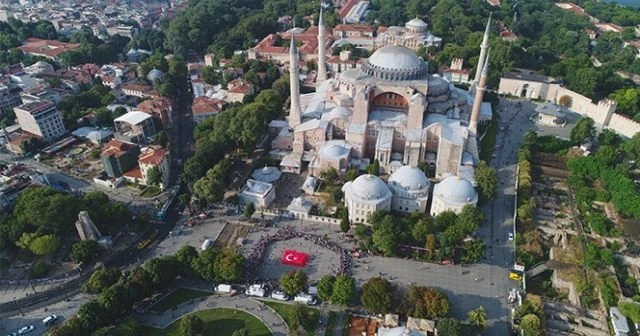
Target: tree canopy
(377, 296)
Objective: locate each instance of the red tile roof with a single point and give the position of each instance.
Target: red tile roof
(49, 48)
(134, 173)
(156, 105)
(205, 105)
(346, 8)
(354, 27)
(117, 148)
(153, 155)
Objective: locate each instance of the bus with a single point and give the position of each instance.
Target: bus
(162, 213)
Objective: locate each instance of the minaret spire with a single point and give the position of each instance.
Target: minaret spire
(294, 85)
(483, 49)
(477, 99)
(322, 57)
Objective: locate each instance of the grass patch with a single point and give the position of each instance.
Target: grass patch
(311, 315)
(331, 323)
(219, 321)
(177, 297)
(150, 191)
(489, 140)
(630, 310)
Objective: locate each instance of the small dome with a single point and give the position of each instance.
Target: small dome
(370, 187)
(456, 190)
(416, 24)
(334, 150)
(266, 174)
(409, 178)
(155, 75)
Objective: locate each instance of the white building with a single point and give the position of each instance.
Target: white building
(453, 193)
(266, 174)
(261, 194)
(40, 118)
(413, 35)
(410, 189)
(134, 126)
(155, 156)
(364, 196)
(619, 322)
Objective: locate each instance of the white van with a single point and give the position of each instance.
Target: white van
(279, 296)
(49, 320)
(207, 243)
(256, 290)
(305, 299)
(223, 288)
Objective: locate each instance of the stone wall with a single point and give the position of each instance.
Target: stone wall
(602, 112)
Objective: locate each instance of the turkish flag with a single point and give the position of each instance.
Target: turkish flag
(295, 258)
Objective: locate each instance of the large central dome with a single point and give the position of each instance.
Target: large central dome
(395, 63)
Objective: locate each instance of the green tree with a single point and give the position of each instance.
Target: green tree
(325, 287)
(191, 325)
(249, 209)
(628, 100)
(385, 237)
(530, 325)
(229, 265)
(330, 176)
(351, 175)
(632, 147)
(377, 296)
(84, 251)
(474, 250)
(92, 315)
(204, 265)
(428, 302)
(101, 279)
(161, 138)
(44, 245)
(344, 222)
(487, 180)
(154, 177)
(293, 282)
(344, 290)
(186, 254)
(449, 327)
(583, 130)
(478, 318)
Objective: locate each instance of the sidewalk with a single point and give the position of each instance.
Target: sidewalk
(272, 320)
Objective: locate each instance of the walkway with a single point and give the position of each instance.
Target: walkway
(339, 326)
(272, 320)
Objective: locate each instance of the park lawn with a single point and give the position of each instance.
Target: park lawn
(219, 322)
(285, 310)
(150, 191)
(177, 297)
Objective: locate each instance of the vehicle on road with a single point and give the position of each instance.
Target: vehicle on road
(224, 288)
(49, 320)
(12, 334)
(510, 235)
(278, 295)
(206, 244)
(25, 329)
(515, 275)
(256, 290)
(305, 299)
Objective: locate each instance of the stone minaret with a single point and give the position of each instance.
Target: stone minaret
(322, 57)
(477, 99)
(294, 85)
(483, 50)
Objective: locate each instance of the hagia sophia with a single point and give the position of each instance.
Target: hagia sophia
(393, 111)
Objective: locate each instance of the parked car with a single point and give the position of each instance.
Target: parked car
(25, 329)
(510, 235)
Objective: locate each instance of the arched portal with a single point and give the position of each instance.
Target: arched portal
(390, 100)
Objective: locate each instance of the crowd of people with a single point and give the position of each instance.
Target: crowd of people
(254, 260)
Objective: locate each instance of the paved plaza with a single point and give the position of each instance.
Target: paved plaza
(321, 261)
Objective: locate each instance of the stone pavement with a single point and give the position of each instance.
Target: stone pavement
(270, 318)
